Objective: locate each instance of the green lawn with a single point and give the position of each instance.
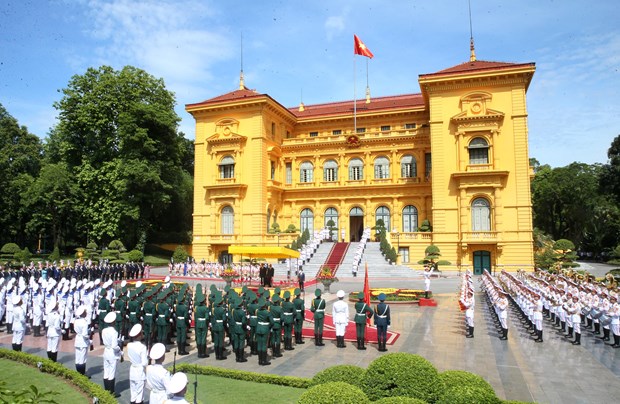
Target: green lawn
(213, 389)
(18, 376)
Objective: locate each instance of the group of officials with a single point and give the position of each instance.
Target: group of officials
(151, 316)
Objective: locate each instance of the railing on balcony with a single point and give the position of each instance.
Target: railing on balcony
(479, 167)
(420, 236)
(490, 236)
(223, 181)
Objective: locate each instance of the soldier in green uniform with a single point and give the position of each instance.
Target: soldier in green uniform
(288, 314)
(263, 328)
(148, 319)
(202, 318)
(218, 316)
(182, 314)
(318, 308)
(362, 312)
(120, 307)
(133, 307)
(163, 313)
(300, 315)
(276, 329)
(252, 309)
(103, 308)
(238, 328)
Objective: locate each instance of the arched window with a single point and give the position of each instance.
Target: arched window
(307, 220)
(383, 213)
(408, 167)
(227, 167)
(306, 172)
(330, 171)
(356, 212)
(480, 215)
(478, 151)
(410, 219)
(356, 169)
(228, 220)
(382, 168)
(331, 214)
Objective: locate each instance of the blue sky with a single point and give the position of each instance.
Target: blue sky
(303, 49)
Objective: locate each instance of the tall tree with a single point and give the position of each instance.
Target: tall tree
(20, 155)
(610, 175)
(117, 131)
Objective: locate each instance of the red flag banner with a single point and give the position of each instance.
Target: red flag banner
(366, 291)
(359, 48)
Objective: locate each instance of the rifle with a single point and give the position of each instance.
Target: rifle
(174, 364)
(195, 388)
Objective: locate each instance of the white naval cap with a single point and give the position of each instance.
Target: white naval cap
(135, 330)
(80, 310)
(340, 294)
(177, 383)
(17, 299)
(157, 351)
(110, 317)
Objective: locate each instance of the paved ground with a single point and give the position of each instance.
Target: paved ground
(519, 369)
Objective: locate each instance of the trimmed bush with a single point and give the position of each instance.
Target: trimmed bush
(399, 400)
(354, 375)
(23, 256)
(55, 255)
(333, 393)
(10, 248)
(402, 374)
(92, 246)
(455, 378)
(117, 245)
(468, 395)
(57, 369)
(180, 254)
(135, 256)
(290, 381)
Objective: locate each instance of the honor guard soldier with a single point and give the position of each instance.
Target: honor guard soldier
(137, 354)
(111, 353)
(469, 304)
(19, 323)
(288, 315)
(202, 319)
(238, 329)
(53, 330)
(133, 308)
(614, 313)
(157, 376)
(276, 329)
(182, 314)
(102, 309)
(382, 321)
(362, 313)
(163, 313)
(177, 388)
(318, 308)
(148, 318)
(263, 328)
(252, 309)
(502, 314)
(340, 315)
(82, 339)
(218, 316)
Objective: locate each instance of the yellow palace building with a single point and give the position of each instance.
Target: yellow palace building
(455, 154)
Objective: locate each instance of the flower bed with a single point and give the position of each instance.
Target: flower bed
(393, 295)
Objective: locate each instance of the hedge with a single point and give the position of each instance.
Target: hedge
(399, 400)
(71, 376)
(353, 375)
(454, 378)
(402, 374)
(333, 393)
(290, 381)
(468, 395)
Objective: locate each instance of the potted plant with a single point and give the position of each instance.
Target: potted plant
(326, 277)
(229, 275)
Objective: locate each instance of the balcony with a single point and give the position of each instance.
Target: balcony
(419, 236)
(479, 167)
(480, 237)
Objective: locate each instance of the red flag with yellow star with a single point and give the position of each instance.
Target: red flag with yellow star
(359, 48)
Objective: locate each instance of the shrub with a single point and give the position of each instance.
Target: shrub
(333, 393)
(23, 256)
(354, 375)
(91, 246)
(180, 254)
(399, 400)
(290, 381)
(111, 254)
(454, 378)
(402, 374)
(135, 256)
(117, 245)
(10, 248)
(468, 395)
(55, 255)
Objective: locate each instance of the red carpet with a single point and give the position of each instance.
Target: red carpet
(329, 331)
(336, 255)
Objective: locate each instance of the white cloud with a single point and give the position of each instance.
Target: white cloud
(334, 25)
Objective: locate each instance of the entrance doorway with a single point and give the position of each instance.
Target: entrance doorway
(356, 224)
(225, 258)
(482, 260)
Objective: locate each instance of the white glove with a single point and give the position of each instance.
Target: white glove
(171, 321)
(63, 332)
(389, 326)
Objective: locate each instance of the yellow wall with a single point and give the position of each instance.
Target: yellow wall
(257, 131)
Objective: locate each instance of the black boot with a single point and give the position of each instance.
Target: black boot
(265, 361)
(301, 338)
(14, 347)
(321, 340)
(363, 343)
(570, 333)
(597, 328)
(616, 341)
(49, 355)
(577, 340)
(36, 329)
(19, 347)
(540, 338)
(504, 334)
(55, 356)
(112, 389)
(9, 328)
(253, 350)
(470, 332)
(242, 355)
(605, 334)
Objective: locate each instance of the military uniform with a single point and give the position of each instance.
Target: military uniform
(201, 319)
(218, 317)
(300, 314)
(276, 330)
(382, 321)
(263, 328)
(149, 317)
(182, 314)
(288, 316)
(318, 308)
(362, 313)
(102, 309)
(252, 309)
(237, 330)
(163, 313)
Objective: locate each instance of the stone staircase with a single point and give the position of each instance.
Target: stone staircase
(378, 267)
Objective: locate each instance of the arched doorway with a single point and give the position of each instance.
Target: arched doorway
(356, 224)
(482, 260)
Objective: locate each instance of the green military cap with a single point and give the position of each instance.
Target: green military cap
(261, 302)
(275, 299)
(276, 291)
(103, 292)
(212, 287)
(200, 298)
(218, 300)
(287, 295)
(227, 288)
(199, 289)
(266, 294)
(317, 292)
(133, 293)
(360, 295)
(261, 290)
(381, 296)
(297, 292)
(244, 289)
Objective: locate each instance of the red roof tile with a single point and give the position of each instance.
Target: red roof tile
(231, 96)
(476, 66)
(346, 107)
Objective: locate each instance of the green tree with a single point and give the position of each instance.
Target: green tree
(610, 173)
(20, 156)
(117, 131)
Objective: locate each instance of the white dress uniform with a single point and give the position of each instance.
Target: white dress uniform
(19, 324)
(136, 352)
(53, 330)
(157, 379)
(82, 340)
(111, 353)
(340, 313)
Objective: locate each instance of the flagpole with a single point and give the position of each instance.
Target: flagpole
(354, 97)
